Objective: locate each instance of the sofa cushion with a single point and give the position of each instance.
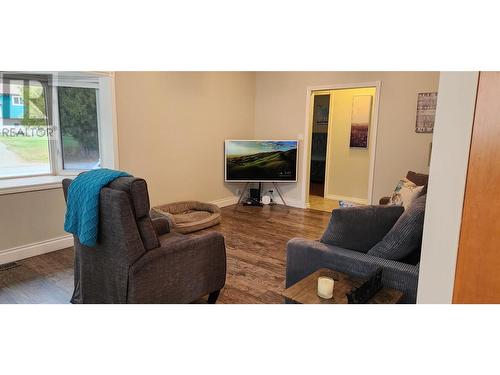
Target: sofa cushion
(360, 228)
(405, 237)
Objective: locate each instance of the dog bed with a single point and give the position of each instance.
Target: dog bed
(189, 216)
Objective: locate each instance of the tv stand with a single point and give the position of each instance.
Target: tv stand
(279, 193)
(258, 203)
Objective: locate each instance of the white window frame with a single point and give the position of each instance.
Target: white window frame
(19, 100)
(107, 132)
(56, 143)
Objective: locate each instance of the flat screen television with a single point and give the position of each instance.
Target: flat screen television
(260, 160)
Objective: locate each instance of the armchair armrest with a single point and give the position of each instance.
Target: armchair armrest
(161, 225)
(155, 213)
(306, 256)
(179, 271)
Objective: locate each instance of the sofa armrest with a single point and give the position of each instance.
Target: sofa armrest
(180, 271)
(161, 225)
(306, 256)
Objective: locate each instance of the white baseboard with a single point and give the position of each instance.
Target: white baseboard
(38, 248)
(229, 201)
(224, 202)
(344, 198)
(294, 203)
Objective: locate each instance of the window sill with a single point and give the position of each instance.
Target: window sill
(27, 184)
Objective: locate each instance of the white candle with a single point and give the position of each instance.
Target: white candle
(325, 287)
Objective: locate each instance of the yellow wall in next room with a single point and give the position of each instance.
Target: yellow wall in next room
(348, 167)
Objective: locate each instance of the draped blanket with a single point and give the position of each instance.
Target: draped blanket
(82, 212)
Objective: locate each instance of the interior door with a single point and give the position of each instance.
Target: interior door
(477, 278)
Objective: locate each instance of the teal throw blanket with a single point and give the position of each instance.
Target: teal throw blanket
(82, 212)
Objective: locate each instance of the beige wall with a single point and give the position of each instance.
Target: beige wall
(280, 112)
(348, 168)
(31, 217)
(172, 126)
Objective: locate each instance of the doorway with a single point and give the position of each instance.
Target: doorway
(342, 129)
(318, 155)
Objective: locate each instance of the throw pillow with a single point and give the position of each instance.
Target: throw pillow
(405, 237)
(405, 193)
(418, 179)
(359, 228)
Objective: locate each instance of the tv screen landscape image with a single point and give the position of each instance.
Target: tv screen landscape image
(261, 160)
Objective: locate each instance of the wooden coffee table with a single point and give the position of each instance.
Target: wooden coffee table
(305, 291)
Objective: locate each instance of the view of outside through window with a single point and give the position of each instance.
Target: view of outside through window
(24, 146)
(79, 129)
(25, 130)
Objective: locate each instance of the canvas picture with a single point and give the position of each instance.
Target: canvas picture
(360, 120)
(426, 112)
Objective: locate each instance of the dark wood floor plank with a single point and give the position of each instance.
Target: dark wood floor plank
(255, 238)
(55, 268)
(25, 285)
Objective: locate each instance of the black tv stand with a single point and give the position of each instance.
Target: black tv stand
(257, 203)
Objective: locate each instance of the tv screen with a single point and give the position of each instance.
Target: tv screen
(261, 160)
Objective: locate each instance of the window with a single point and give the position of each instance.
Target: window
(51, 124)
(79, 127)
(17, 100)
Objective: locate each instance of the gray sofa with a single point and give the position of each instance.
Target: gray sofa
(138, 260)
(306, 256)
(367, 232)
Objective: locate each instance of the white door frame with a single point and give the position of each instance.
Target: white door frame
(372, 141)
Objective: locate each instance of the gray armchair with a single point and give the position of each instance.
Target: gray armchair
(138, 260)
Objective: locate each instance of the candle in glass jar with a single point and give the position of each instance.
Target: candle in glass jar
(325, 287)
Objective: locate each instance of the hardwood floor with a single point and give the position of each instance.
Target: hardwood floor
(322, 204)
(256, 238)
